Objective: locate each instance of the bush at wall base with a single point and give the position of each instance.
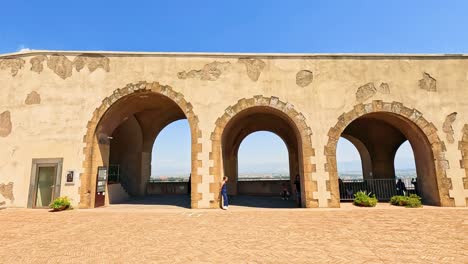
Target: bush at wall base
(365, 199)
(60, 204)
(411, 201)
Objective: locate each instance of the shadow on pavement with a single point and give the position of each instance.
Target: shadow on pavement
(174, 200)
(261, 201)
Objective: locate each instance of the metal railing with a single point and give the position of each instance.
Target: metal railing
(169, 179)
(383, 189)
(186, 179)
(260, 178)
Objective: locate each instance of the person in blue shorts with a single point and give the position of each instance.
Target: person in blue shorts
(224, 193)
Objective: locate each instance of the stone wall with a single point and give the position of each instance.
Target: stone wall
(52, 101)
(265, 188)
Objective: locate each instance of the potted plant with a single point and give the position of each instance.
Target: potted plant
(412, 201)
(365, 199)
(60, 204)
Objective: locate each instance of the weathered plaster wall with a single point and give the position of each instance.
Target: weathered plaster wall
(64, 89)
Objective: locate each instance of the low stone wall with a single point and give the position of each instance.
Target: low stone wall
(267, 188)
(166, 188)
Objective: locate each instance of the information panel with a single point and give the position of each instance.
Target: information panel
(101, 181)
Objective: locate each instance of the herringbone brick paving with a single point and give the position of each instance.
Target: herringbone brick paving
(240, 235)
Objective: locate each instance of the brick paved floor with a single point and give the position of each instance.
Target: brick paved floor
(129, 234)
(183, 201)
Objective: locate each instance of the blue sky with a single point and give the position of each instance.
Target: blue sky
(260, 152)
(397, 26)
(239, 26)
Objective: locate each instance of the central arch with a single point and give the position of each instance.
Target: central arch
(126, 122)
(262, 114)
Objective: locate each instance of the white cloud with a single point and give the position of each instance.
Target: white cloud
(23, 48)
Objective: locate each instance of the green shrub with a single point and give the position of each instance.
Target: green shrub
(365, 199)
(61, 203)
(408, 201)
(398, 200)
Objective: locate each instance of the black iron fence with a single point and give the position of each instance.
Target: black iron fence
(383, 189)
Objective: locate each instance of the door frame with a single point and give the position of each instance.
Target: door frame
(50, 162)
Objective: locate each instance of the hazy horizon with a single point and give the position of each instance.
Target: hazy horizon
(260, 152)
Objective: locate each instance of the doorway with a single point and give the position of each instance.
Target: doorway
(45, 182)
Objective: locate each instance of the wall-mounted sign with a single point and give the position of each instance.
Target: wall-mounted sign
(101, 182)
(70, 179)
(70, 176)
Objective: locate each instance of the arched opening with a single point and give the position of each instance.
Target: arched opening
(170, 183)
(352, 160)
(380, 135)
(170, 158)
(263, 170)
(120, 141)
(349, 161)
(405, 165)
(142, 118)
(245, 123)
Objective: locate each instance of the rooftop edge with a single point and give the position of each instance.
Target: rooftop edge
(229, 54)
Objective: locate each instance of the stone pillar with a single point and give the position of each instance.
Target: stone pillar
(230, 170)
(145, 172)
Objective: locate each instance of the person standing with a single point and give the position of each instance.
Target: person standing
(416, 187)
(401, 188)
(297, 183)
(224, 193)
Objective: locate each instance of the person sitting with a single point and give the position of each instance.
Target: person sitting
(285, 192)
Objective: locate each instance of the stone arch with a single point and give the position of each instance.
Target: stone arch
(400, 111)
(277, 107)
(364, 155)
(463, 146)
(97, 146)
